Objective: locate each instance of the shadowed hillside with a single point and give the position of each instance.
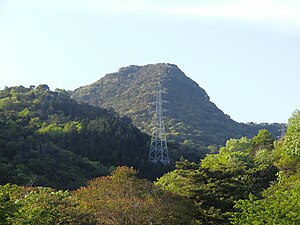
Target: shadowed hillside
(46, 138)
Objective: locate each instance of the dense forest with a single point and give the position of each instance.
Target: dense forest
(48, 139)
(63, 162)
(191, 119)
(249, 181)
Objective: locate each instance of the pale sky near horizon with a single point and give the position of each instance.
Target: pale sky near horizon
(244, 53)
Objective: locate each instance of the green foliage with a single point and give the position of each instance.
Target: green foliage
(249, 181)
(263, 140)
(180, 181)
(234, 156)
(292, 139)
(242, 167)
(39, 206)
(121, 198)
(279, 204)
(287, 157)
(8, 205)
(48, 139)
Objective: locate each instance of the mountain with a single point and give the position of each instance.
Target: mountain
(190, 117)
(48, 139)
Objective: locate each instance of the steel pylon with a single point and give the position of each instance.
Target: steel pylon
(159, 148)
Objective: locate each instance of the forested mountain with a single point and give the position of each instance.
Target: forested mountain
(46, 138)
(49, 139)
(191, 118)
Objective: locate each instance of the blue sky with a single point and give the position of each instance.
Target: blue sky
(244, 53)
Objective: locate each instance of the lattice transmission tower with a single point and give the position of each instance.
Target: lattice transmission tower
(159, 148)
(282, 130)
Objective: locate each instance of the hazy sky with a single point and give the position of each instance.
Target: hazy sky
(244, 53)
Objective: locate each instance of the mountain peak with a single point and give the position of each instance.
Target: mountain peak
(169, 75)
(133, 68)
(190, 115)
(157, 69)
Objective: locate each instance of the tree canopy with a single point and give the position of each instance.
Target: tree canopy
(48, 139)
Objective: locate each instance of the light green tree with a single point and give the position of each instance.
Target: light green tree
(124, 199)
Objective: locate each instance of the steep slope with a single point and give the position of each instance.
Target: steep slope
(46, 138)
(191, 118)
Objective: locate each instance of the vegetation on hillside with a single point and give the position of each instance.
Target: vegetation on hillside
(241, 167)
(191, 118)
(249, 181)
(279, 203)
(112, 200)
(48, 139)
(51, 141)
